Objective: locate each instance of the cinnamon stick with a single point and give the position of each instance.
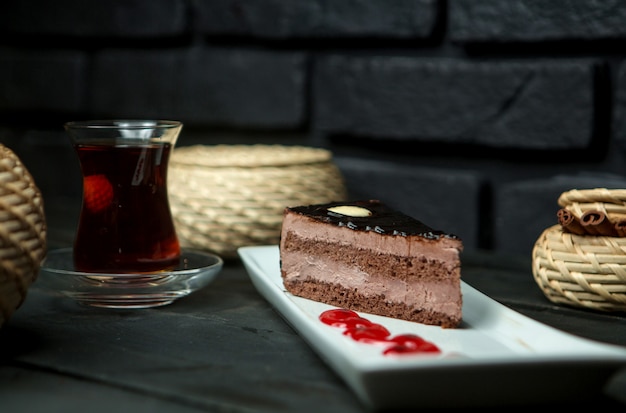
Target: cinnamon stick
(597, 223)
(570, 222)
(620, 228)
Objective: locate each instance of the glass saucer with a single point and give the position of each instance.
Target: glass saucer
(128, 290)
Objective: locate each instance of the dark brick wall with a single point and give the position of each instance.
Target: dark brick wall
(472, 115)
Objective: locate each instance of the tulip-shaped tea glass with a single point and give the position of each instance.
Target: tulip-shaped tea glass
(126, 250)
(125, 221)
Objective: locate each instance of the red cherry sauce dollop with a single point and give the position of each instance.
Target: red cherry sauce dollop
(362, 330)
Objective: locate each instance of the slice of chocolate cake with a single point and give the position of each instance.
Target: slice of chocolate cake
(367, 257)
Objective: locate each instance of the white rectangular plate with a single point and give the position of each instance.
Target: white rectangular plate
(497, 356)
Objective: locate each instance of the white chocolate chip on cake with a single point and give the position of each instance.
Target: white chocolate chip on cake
(351, 211)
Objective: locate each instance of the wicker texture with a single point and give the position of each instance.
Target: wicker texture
(227, 196)
(610, 201)
(586, 271)
(22, 232)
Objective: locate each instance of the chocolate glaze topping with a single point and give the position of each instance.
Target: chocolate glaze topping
(383, 220)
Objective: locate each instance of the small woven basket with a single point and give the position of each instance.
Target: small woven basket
(227, 196)
(586, 271)
(22, 232)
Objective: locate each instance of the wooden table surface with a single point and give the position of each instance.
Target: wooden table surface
(223, 348)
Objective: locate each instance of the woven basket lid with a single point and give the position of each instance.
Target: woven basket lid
(22, 232)
(247, 156)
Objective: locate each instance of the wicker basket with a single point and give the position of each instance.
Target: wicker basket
(586, 271)
(227, 196)
(22, 232)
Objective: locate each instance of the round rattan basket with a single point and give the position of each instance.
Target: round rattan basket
(22, 232)
(584, 270)
(227, 196)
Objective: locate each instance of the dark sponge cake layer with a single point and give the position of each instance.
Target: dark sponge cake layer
(334, 294)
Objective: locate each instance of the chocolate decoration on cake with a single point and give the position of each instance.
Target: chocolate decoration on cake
(383, 219)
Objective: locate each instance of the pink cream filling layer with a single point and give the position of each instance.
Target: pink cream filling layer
(435, 294)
